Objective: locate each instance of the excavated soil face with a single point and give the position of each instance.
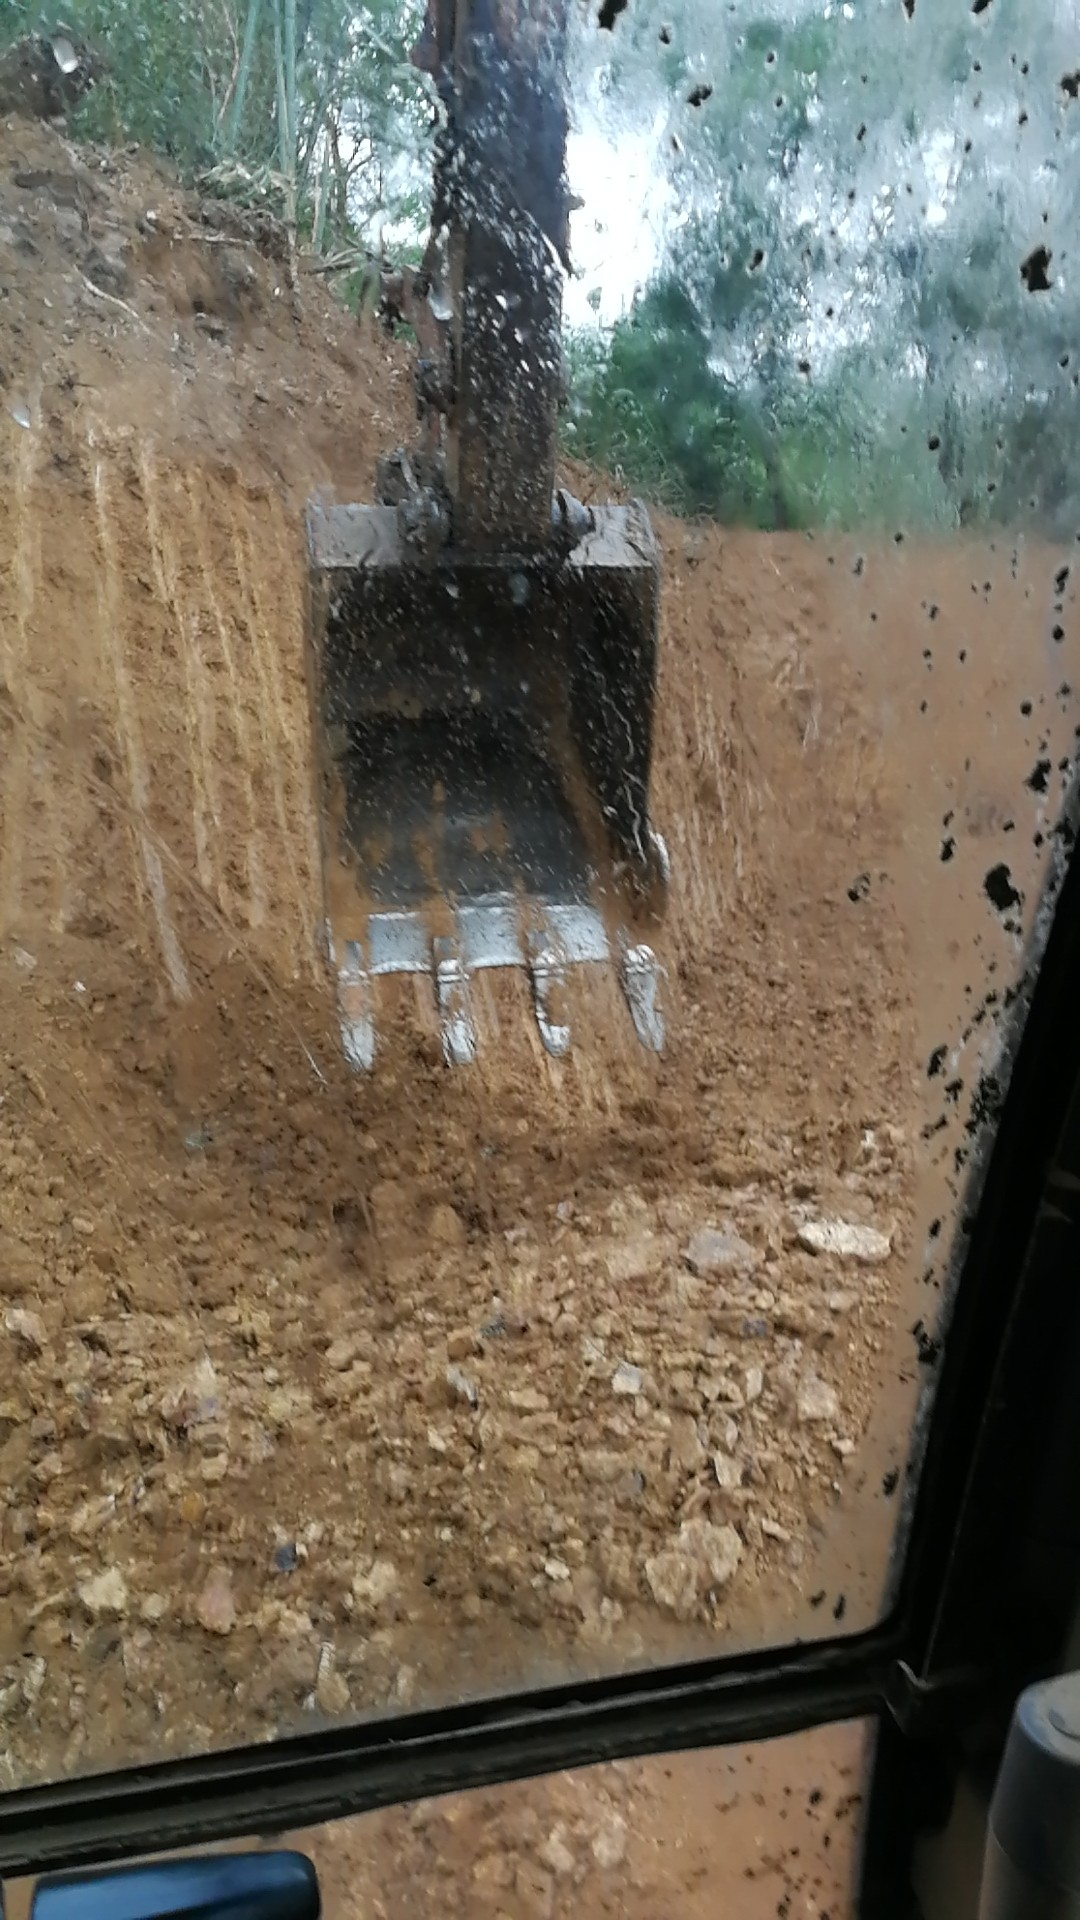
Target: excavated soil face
(324, 1394)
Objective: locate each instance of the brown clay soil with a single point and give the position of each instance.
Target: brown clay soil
(325, 1394)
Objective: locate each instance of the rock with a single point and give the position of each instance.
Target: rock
(389, 1204)
(638, 1257)
(215, 1608)
(446, 1228)
(702, 1558)
(91, 1515)
(774, 1531)
(194, 1401)
(27, 1329)
(341, 1354)
(686, 1447)
(20, 1272)
(627, 1379)
(375, 1587)
(727, 1471)
(609, 1842)
(462, 1387)
(461, 1343)
(720, 1250)
(331, 1692)
(104, 1595)
(755, 1384)
(845, 1240)
(556, 1569)
(841, 1302)
(815, 1399)
(154, 1608)
(556, 1854)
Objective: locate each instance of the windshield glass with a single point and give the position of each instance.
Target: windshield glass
(537, 725)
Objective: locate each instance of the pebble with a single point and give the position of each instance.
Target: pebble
(845, 1240)
(841, 1302)
(331, 1690)
(377, 1585)
(727, 1471)
(215, 1608)
(556, 1854)
(687, 1449)
(27, 1329)
(462, 1387)
(755, 1384)
(627, 1379)
(816, 1400)
(701, 1558)
(609, 1842)
(714, 1250)
(341, 1354)
(104, 1595)
(446, 1228)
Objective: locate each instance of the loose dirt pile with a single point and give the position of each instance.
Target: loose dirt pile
(324, 1394)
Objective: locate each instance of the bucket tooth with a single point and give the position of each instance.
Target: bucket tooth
(452, 995)
(639, 972)
(356, 1006)
(547, 975)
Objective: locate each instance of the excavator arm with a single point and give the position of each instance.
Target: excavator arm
(484, 660)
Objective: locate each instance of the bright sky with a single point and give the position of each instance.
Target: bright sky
(616, 238)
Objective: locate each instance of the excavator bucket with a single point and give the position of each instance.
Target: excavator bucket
(484, 648)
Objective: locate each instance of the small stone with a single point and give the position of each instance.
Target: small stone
(774, 1531)
(437, 1441)
(556, 1569)
(331, 1691)
(609, 1842)
(816, 1400)
(845, 1240)
(461, 1343)
(755, 1384)
(215, 1609)
(375, 1587)
(286, 1558)
(154, 1608)
(462, 1387)
(843, 1448)
(686, 1447)
(701, 1558)
(27, 1329)
(556, 1854)
(720, 1250)
(446, 1228)
(627, 1379)
(20, 1271)
(841, 1302)
(341, 1354)
(727, 1471)
(104, 1595)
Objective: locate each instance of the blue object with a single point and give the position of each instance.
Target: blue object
(224, 1886)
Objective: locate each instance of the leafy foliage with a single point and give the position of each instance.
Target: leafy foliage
(861, 306)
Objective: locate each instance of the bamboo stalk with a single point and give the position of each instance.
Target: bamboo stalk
(247, 54)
